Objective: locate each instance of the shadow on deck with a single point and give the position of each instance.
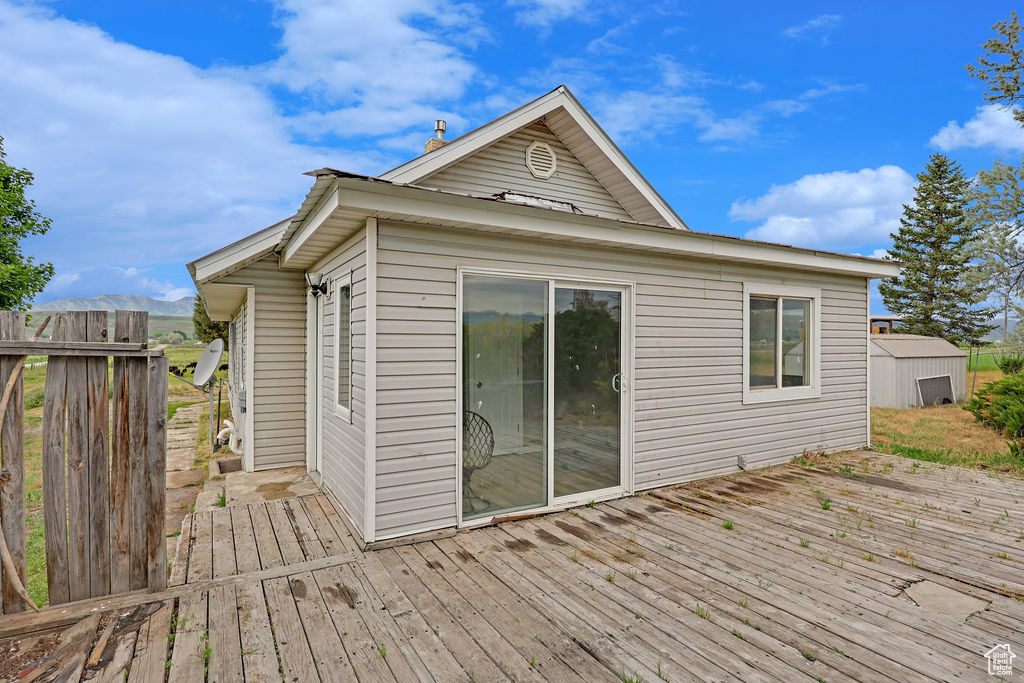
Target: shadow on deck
(791, 573)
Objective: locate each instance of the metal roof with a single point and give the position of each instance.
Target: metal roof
(915, 346)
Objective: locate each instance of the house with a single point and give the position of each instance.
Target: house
(912, 370)
(516, 320)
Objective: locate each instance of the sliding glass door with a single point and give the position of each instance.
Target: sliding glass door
(504, 403)
(542, 392)
(587, 387)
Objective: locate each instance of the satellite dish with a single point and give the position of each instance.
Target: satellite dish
(208, 363)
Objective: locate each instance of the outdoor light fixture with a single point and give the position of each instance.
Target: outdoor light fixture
(316, 283)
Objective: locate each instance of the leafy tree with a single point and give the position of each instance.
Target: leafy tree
(21, 278)
(207, 330)
(997, 211)
(1000, 68)
(934, 293)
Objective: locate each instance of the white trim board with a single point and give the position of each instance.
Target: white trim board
(370, 420)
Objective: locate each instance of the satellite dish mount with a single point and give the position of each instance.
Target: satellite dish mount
(204, 377)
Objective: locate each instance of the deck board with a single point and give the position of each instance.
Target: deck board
(799, 572)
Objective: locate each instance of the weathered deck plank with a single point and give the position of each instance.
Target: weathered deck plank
(788, 588)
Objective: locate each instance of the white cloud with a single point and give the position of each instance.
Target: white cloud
(837, 210)
(544, 13)
(143, 158)
(821, 25)
(374, 68)
(991, 126)
(111, 280)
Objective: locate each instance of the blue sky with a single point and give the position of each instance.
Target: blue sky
(161, 131)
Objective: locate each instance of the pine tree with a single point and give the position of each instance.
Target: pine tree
(934, 293)
(21, 277)
(207, 330)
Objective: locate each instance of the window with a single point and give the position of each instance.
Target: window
(781, 331)
(343, 343)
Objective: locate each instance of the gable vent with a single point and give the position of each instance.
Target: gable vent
(540, 159)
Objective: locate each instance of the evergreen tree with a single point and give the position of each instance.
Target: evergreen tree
(934, 293)
(1001, 68)
(21, 278)
(207, 330)
(996, 213)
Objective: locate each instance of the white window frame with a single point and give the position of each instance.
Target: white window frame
(768, 395)
(345, 280)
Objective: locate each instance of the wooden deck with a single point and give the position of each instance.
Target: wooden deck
(793, 573)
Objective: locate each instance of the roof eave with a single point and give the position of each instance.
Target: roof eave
(377, 197)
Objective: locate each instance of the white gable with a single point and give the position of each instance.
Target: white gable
(501, 167)
(589, 154)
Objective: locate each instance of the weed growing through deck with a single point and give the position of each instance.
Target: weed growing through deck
(591, 503)
(763, 584)
(627, 678)
(533, 662)
(631, 574)
(912, 523)
(672, 546)
(742, 602)
(662, 674)
(808, 656)
(538, 638)
(382, 650)
(575, 557)
(868, 556)
(727, 524)
(826, 504)
(222, 498)
(737, 634)
(805, 543)
(702, 612)
(609, 577)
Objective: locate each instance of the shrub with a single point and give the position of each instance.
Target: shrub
(35, 398)
(1000, 404)
(1010, 363)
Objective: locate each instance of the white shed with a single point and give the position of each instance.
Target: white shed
(898, 361)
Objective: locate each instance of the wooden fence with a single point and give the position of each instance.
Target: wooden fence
(104, 447)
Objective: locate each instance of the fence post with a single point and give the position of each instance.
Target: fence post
(12, 470)
(99, 462)
(156, 465)
(126, 474)
(55, 512)
(79, 539)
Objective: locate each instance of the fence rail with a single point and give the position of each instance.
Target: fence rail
(104, 444)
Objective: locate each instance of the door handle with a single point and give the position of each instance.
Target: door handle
(616, 382)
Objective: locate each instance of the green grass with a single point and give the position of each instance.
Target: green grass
(1001, 461)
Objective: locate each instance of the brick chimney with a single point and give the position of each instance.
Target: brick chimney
(438, 140)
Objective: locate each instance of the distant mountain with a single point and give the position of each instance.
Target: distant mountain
(120, 302)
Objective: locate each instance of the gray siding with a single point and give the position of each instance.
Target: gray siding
(344, 443)
(689, 417)
(502, 167)
(279, 363)
(894, 380)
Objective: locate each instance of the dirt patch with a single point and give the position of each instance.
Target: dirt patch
(342, 593)
(548, 537)
(519, 545)
(581, 534)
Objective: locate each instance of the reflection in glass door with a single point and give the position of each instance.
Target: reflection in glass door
(504, 416)
(587, 390)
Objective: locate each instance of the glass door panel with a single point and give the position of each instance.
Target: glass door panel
(504, 397)
(587, 390)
